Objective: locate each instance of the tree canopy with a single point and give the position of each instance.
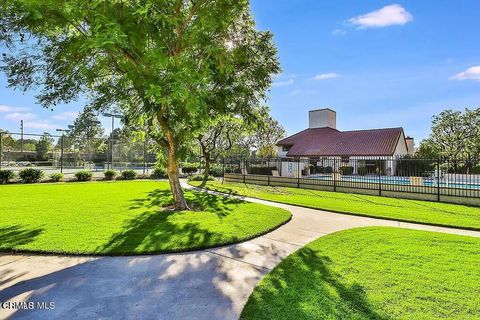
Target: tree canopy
(171, 65)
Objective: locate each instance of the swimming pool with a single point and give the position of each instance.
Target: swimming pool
(427, 182)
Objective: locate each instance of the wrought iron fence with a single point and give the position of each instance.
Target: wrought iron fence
(436, 179)
(66, 154)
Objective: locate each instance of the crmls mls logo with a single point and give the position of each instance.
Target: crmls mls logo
(31, 305)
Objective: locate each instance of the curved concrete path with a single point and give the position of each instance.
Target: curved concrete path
(208, 284)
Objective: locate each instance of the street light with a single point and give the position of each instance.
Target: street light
(61, 141)
(113, 116)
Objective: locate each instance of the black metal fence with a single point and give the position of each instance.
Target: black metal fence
(66, 154)
(436, 179)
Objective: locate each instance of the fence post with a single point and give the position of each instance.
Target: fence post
(334, 175)
(438, 179)
(1, 149)
(145, 155)
(245, 169)
(61, 154)
(223, 169)
(379, 177)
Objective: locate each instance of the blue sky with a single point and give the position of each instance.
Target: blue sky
(377, 63)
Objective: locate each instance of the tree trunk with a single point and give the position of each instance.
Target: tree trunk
(180, 203)
(173, 177)
(206, 172)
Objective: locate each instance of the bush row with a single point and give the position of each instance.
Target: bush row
(32, 175)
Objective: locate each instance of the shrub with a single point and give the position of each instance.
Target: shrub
(199, 177)
(159, 173)
(476, 170)
(346, 170)
(189, 169)
(6, 176)
(216, 172)
(56, 177)
(320, 170)
(328, 170)
(110, 174)
(84, 175)
(31, 175)
(129, 174)
(362, 171)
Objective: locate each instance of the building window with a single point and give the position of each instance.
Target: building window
(286, 148)
(345, 159)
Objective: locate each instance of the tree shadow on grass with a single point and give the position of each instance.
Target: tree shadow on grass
(157, 229)
(319, 291)
(17, 235)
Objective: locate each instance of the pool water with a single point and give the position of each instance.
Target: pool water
(428, 182)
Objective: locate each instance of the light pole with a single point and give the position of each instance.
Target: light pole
(1, 147)
(113, 116)
(61, 144)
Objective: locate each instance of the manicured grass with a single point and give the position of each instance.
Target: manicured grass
(443, 214)
(118, 218)
(374, 273)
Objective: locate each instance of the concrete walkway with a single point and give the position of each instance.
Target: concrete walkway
(208, 284)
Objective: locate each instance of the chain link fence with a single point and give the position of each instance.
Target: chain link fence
(67, 155)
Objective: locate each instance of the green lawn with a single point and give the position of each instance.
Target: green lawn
(442, 214)
(123, 218)
(374, 273)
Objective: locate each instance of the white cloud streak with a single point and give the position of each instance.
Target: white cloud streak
(390, 15)
(68, 115)
(283, 83)
(17, 116)
(325, 76)
(472, 73)
(339, 32)
(44, 125)
(4, 109)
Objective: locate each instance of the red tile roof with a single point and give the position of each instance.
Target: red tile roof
(331, 142)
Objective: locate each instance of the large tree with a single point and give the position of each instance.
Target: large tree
(163, 62)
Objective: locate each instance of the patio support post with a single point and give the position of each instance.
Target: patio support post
(438, 179)
(298, 173)
(145, 155)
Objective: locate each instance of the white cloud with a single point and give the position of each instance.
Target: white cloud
(17, 116)
(4, 108)
(283, 83)
(472, 73)
(339, 32)
(44, 125)
(325, 76)
(390, 15)
(68, 115)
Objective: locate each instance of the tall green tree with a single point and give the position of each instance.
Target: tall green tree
(269, 132)
(166, 63)
(42, 147)
(218, 139)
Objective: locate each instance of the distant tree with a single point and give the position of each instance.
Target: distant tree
(87, 132)
(268, 133)
(217, 140)
(456, 135)
(161, 61)
(42, 147)
(427, 150)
